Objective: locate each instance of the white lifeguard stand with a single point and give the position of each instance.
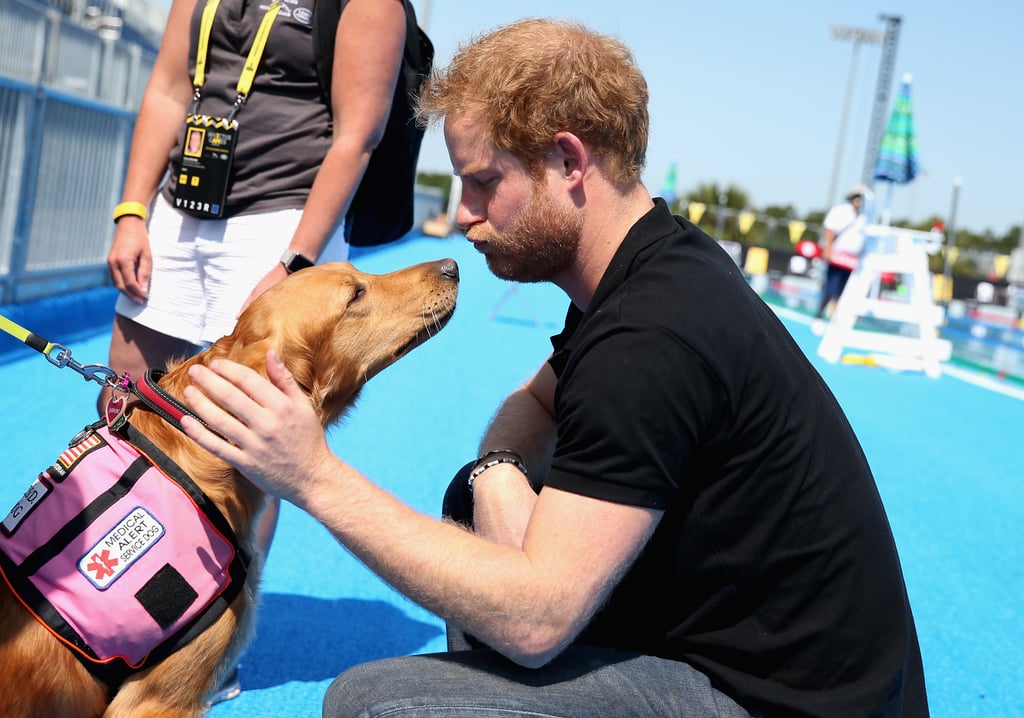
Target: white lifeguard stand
(915, 343)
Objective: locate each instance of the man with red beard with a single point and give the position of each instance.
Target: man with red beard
(655, 525)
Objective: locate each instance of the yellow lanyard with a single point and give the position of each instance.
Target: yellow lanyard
(252, 62)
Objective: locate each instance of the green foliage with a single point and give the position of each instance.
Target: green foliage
(780, 211)
(437, 179)
(712, 194)
(815, 217)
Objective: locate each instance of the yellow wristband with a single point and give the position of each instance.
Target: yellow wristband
(136, 209)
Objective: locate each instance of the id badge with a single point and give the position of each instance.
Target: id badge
(202, 182)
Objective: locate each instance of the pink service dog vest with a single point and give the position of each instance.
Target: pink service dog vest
(122, 560)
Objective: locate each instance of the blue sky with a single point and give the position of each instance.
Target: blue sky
(752, 94)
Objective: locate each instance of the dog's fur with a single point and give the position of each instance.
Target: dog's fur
(335, 327)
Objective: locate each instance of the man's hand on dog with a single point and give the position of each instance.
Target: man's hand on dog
(268, 430)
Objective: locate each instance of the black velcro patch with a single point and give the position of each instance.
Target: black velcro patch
(166, 596)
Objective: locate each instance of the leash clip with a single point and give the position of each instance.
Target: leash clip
(99, 374)
(60, 357)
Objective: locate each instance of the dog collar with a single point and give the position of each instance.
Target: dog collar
(163, 404)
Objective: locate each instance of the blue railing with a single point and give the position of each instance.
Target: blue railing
(68, 97)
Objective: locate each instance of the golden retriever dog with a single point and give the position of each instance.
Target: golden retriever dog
(335, 328)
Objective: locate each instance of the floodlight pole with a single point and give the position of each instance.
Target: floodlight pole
(947, 271)
(723, 198)
(880, 112)
(858, 36)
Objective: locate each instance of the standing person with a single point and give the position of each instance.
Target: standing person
(215, 212)
(844, 241)
(658, 526)
(185, 266)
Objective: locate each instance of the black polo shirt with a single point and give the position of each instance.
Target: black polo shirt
(774, 569)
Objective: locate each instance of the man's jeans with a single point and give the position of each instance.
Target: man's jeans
(583, 682)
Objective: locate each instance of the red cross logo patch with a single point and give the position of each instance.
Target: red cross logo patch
(102, 565)
(124, 544)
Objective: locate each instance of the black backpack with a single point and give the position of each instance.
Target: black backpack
(382, 208)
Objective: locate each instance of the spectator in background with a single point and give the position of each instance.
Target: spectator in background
(843, 243)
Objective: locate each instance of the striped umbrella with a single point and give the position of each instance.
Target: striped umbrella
(897, 160)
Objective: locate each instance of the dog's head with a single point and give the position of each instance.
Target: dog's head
(335, 327)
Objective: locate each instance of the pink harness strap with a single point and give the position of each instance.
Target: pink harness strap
(120, 559)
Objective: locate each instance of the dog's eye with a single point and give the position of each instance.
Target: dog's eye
(360, 290)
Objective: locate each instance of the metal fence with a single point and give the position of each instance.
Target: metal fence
(68, 97)
(69, 92)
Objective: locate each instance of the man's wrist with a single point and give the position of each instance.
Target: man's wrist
(494, 458)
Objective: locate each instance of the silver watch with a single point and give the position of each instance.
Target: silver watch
(293, 261)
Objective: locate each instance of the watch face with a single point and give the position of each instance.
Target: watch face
(293, 262)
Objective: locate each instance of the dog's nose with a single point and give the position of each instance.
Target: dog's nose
(449, 269)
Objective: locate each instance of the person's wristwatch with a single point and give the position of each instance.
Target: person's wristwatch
(293, 262)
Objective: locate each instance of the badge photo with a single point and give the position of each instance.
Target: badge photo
(194, 143)
(205, 171)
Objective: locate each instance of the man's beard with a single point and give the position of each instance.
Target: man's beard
(539, 245)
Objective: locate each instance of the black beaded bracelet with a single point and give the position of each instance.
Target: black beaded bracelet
(501, 456)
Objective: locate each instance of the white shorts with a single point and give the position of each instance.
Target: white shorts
(205, 269)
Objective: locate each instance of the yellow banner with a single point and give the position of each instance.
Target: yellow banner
(1001, 263)
(942, 291)
(746, 221)
(696, 210)
(757, 261)
(796, 230)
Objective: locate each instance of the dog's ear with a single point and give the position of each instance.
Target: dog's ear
(331, 386)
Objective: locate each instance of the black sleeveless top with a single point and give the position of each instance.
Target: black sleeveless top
(285, 127)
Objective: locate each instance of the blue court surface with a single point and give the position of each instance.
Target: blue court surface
(947, 454)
